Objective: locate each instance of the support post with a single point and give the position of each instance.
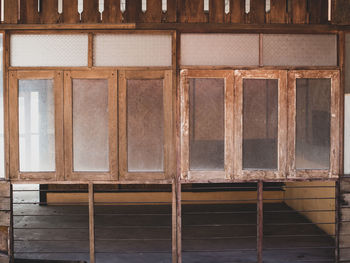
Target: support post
(91, 223)
(176, 222)
(260, 215)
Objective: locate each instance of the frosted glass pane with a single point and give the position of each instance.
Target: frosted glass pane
(260, 123)
(36, 125)
(219, 49)
(49, 50)
(313, 123)
(2, 154)
(145, 125)
(132, 50)
(90, 125)
(207, 124)
(299, 50)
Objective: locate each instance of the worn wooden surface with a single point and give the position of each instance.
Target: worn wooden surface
(344, 219)
(5, 221)
(184, 11)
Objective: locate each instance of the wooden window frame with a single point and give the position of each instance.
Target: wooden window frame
(70, 174)
(227, 173)
(261, 174)
(169, 141)
(333, 172)
(14, 77)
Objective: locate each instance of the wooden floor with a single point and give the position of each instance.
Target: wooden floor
(132, 234)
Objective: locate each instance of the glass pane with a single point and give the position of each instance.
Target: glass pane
(207, 124)
(49, 50)
(260, 123)
(219, 49)
(132, 50)
(36, 125)
(299, 50)
(145, 125)
(313, 123)
(90, 125)
(2, 154)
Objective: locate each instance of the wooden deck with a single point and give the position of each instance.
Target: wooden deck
(211, 233)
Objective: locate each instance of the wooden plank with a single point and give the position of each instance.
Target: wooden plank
(91, 223)
(90, 12)
(5, 204)
(170, 15)
(278, 12)
(112, 13)
(29, 12)
(11, 12)
(133, 11)
(4, 239)
(318, 11)
(5, 217)
(217, 11)
(257, 12)
(238, 14)
(299, 12)
(49, 12)
(174, 223)
(341, 12)
(260, 221)
(70, 12)
(153, 12)
(5, 189)
(192, 11)
(345, 185)
(59, 115)
(345, 200)
(4, 258)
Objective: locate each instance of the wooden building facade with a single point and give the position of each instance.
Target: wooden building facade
(176, 92)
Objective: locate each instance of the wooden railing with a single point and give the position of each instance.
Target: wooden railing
(180, 11)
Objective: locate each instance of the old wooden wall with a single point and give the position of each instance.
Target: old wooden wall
(5, 230)
(180, 11)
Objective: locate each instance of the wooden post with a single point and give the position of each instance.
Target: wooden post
(260, 215)
(91, 223)
(178, 221)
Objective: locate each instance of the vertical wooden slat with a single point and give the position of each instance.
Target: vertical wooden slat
(70, 12)
(260, 221)
(11, 11)
(178, 221)
(192, 11)
(153, 12)
(237, 11)
(49, 12)
(6, 65)
(299, 12)
(90, 12)
(133, 11)
(112, 13)
(91, 223)
(170, 15)
(13, 124)
(257, 12)
(278, 12)
(174, 223)
(318, 10)
(29, 12)
(217, 11)
(58, 89)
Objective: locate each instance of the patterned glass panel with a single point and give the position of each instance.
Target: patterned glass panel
(313, 123)
(299, 50)
(90, 125)
(132, 50)
(49, 50)
(219, 49)
(145, 125)
(207, 124)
